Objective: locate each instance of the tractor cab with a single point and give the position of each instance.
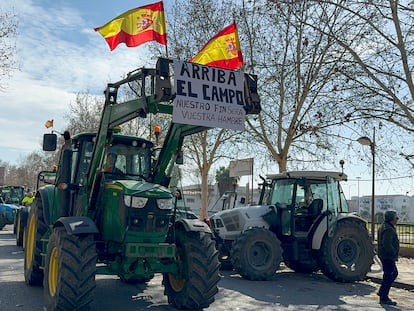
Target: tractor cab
(303, 198)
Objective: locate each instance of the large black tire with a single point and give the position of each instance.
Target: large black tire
(2, 222)
(15, 212)
(69, 272)
(347, 256)
(36, 228)
(21, 221)
(196, 285)
(256, 254)
(18, 228)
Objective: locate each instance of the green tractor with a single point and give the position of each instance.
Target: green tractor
(22, 212)
(112, 209)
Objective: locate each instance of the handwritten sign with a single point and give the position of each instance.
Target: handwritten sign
(208, 96)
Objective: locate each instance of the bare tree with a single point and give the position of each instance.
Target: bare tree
(296, 66)
(379, 64)
(8, 33)
(85, 113)
(377, 71)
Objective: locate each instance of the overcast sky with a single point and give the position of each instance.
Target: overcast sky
(59, 54)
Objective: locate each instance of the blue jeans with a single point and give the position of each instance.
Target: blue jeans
(390, 274)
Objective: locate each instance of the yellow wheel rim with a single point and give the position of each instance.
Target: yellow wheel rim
(18, 226)
(53, 271)
(29, 249)
(176, 284)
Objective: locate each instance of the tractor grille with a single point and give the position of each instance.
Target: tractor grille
(233, 221)
(148, 219)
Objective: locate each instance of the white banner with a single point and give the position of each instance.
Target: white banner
(208, 96)
(241, 167)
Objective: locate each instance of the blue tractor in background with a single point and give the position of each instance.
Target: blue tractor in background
(10, 198)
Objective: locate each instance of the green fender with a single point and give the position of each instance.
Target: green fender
(77, 225)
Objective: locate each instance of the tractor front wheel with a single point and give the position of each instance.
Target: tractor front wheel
(256, 254)
(21, 219)
(36, 228)
(195, 284)
(70, 271)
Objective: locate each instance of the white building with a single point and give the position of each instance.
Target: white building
(400, 203)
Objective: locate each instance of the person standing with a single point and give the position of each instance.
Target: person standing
(28, 199)
(388, 249)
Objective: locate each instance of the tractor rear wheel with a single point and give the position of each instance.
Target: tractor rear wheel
(36, 228)
(256, 254)
(195, 286)
(70, 271)
(348, 254)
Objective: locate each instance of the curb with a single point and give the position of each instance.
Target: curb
(396, 284)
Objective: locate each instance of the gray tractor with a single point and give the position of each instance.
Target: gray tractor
(303, 220)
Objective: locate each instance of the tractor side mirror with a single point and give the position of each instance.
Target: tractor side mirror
(49, 142)
(252, 98)
(163, 90)
(179, 159)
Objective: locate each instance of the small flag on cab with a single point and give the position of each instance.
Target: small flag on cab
(49, 123)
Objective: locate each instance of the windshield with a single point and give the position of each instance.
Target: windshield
(281, 191)
(12, 195)
(128, 159)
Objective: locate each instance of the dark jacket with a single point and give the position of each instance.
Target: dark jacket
(388, 243)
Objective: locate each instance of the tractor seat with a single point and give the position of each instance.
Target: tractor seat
(315, 208)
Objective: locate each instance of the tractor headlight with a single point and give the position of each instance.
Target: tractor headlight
(165, 203)
(136, 202)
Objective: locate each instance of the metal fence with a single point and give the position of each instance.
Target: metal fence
(405, 232)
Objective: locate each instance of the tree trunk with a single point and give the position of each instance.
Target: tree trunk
(204, 195)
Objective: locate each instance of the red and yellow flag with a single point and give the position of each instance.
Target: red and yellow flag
(49, 123)
(223, 50)
(136, 26)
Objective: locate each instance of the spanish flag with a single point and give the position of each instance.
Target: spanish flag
(49, 123)
(223, 50)
(136, 26)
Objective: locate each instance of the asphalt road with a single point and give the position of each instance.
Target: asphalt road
(287, 291)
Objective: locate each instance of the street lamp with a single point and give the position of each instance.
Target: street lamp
(367, 142)
(359, 177)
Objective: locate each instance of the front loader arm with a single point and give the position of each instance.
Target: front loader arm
(155, 82)
(171, 147)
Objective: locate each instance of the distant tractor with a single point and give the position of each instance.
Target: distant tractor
(303, 220)
(22, 212)
(10, 198)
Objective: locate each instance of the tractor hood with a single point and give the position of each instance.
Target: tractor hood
(7, 212)
(140, 188)
(237, 219)
(8, 207)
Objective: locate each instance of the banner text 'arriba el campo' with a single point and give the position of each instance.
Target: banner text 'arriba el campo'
(208, 96)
